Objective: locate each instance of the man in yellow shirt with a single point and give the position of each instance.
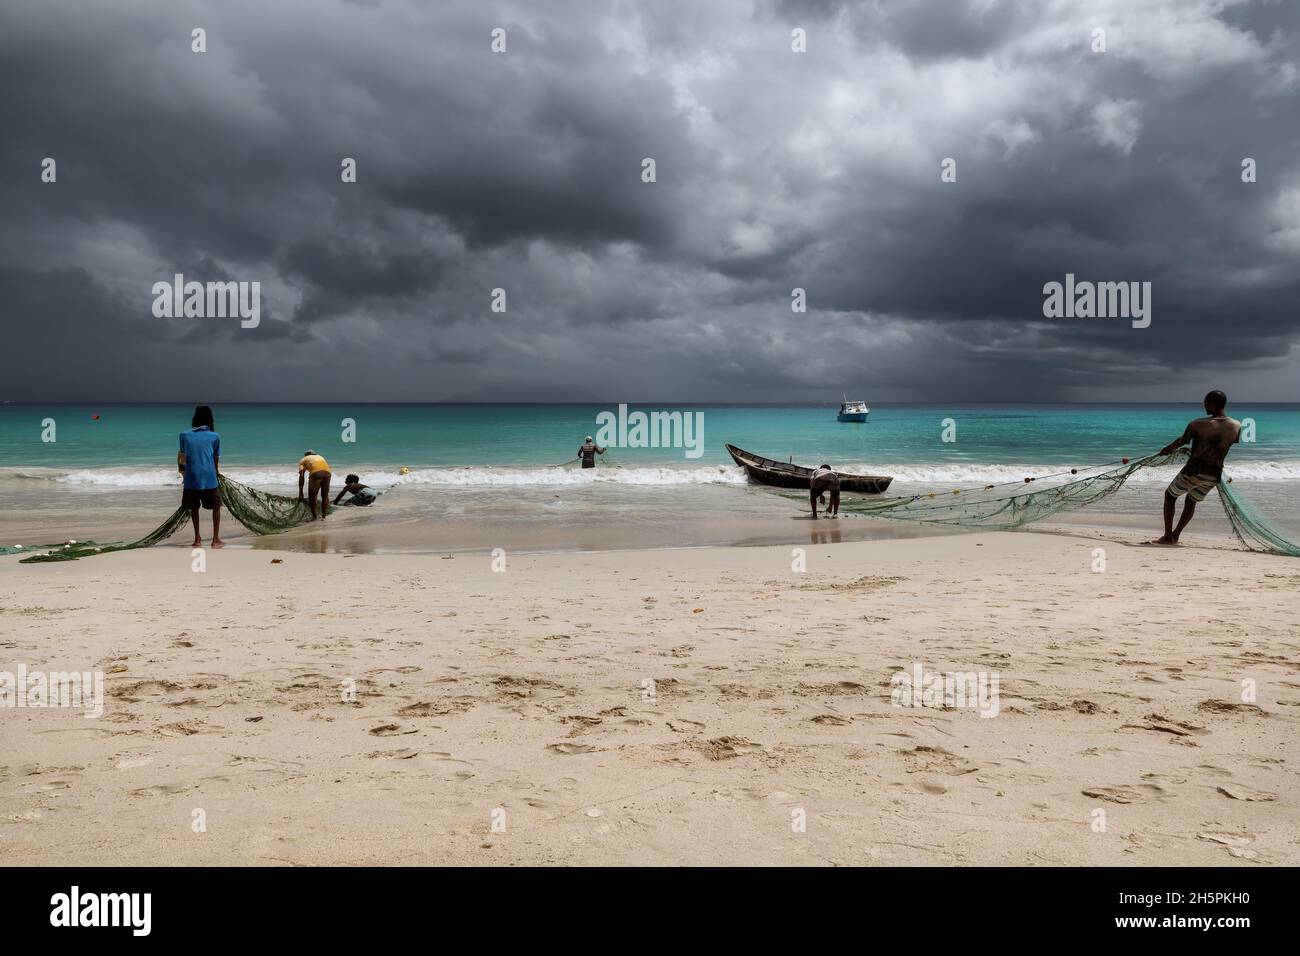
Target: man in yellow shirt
(316, 471)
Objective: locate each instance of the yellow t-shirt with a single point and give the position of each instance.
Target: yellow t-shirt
(313, 463)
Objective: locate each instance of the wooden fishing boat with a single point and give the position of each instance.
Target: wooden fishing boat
(766, 471)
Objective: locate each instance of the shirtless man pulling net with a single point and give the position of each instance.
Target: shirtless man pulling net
(1212, 438)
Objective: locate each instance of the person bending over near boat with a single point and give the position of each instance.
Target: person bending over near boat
(824, 480)
(1212, 438)
(316, 471)
(362, 495)
(588, 452)
(197, 461)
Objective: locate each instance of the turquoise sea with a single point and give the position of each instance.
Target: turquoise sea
(474, 466)
(129, 444)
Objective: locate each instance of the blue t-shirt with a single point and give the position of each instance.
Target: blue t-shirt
(202, 446)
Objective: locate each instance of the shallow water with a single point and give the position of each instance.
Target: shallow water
(488, 476)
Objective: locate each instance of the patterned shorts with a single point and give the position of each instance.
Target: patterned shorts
(1195, 487)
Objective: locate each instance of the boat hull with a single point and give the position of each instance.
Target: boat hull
(851, 417)
(779, 474)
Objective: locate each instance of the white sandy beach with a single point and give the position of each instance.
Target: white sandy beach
(659, 707)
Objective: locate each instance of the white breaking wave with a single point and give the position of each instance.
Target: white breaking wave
(520, 477)
(432, 477)
(927, 475)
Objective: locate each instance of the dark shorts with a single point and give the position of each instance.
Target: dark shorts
(317, 481)
(210, 498)
(825, 483)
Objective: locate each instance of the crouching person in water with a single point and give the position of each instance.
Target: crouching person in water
(362, 495)
(824, 480)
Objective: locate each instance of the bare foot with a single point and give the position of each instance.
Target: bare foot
(218, 543)
(1165, 539)
(198, 543)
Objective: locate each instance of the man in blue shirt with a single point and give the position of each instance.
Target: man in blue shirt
(198, 462)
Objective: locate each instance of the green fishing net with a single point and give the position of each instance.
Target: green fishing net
(1252, 529)
(994, 507)
(258, 511)
(1015, 504)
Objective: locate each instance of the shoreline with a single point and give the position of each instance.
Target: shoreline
(424, 538)
(593, 518)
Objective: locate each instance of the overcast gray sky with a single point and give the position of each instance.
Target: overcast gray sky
(775, 170)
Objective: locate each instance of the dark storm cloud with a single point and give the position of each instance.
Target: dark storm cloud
(775, 170)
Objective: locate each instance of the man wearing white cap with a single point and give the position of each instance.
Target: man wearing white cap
(589, 451)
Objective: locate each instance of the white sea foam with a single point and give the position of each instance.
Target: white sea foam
(285, 480)
(522, 477)
(433, 477)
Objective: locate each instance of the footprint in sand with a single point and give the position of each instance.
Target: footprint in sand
(162, 789)
(1237, 843)
(724, 748)
(419, 709)
(832, 720)
(406, 753)
(1128, 794)
(1181, 732)
(182, 728)
(389, 730)
(131, 693)
(931, 786)
(130, 763)
(924, 759)
(1215, 771)
(1238, 792)
(1227, 707)
(580, 723)
(683, 726)
(567, 748)
(844, 688)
